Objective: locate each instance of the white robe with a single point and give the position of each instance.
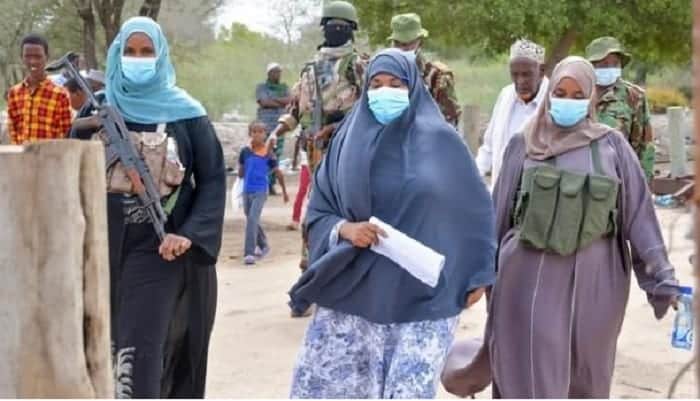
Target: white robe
(490, 155)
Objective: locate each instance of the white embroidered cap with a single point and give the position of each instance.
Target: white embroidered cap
(527, 49)
(273, 66)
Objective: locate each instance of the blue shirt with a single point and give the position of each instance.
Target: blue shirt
(256, 170)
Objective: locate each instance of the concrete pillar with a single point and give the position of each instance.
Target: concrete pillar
(676, 141)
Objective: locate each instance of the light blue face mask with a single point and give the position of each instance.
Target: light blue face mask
(409, 54)
(138, 70)
(607, 76)
(387, 104)
(568, 112)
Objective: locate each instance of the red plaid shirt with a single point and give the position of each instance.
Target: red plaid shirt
(42, 114)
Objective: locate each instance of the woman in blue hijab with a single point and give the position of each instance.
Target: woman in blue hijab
(163, 293)
(379, 332)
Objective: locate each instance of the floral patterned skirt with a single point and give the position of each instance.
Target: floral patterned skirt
(346, 356)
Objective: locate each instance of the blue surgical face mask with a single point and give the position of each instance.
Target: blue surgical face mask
(387, 104)
(607, 76)
(139, 70)
(568, 112)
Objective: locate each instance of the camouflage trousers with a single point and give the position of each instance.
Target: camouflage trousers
(647, 158)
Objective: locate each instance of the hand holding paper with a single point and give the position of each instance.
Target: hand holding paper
(360, 235)
(419, 260)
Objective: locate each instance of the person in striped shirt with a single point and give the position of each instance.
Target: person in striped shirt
(37, 108)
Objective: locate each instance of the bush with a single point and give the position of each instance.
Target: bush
(662, 98)
(224, 74)
(679, 77)
(687, 91)
(479, 82)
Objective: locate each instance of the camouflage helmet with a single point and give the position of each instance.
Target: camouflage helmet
(339, 10)
(602, 47)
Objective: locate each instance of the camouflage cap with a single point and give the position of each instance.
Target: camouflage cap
(406, 28)
(340, 10)
(602, 47)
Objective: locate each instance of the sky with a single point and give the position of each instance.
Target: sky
(256, 14)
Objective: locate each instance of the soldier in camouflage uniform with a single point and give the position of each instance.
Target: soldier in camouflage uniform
(408, 34)
(621, 104)
(340, 68)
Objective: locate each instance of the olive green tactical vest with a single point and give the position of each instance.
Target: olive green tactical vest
(559, 211)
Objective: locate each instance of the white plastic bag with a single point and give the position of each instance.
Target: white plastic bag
(237, 195)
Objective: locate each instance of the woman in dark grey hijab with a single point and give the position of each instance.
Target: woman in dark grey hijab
(379, 332)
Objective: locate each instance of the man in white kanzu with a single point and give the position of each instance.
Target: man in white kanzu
(516, 103)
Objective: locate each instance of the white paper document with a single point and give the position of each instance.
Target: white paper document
(419, 260)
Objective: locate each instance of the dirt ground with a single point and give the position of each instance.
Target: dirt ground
(255, 342)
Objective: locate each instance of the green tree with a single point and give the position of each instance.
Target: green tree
(657, 31)
(20, 18)
(185, 22)
(189, 23)
(290, 16)
(150, 8)
(89, 31)
(235, 63)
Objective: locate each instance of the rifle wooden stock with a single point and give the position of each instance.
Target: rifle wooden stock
(135, 179)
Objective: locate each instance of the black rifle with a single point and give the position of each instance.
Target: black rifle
(119, 148)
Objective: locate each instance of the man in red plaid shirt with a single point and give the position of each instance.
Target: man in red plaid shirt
(37, 109)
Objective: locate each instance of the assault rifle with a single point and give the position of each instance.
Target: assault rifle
(119, 148)
(308, 134)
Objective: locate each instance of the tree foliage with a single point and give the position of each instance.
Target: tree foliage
(290, 16)
(150, 8)
(110, 15)
(20, 18)
(235, 64)
(657, 31)
(88, 26)
(189, 23)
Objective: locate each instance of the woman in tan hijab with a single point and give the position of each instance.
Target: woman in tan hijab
(574, 219)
